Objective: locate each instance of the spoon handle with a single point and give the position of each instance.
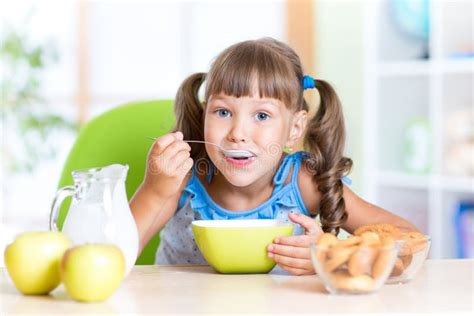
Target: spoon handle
(189, 141)
(201, 141)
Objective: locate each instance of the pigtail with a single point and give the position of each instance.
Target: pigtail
(324, 139)
(189, 113)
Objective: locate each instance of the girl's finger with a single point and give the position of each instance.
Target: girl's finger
(296, 241)
(173, 149)
(310, 225)
(290, 251)
(179, 135)
(163, 142)
(185, 166)
(178, 159)
(292, 262)
(295, 271)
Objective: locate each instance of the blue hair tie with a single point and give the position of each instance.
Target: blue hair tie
(308, 82)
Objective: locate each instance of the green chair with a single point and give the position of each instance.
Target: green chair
(118, 136)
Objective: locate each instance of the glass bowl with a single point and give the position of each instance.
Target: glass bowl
(412, 255)
(354, 269)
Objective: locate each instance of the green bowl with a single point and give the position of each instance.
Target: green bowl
(239, 246)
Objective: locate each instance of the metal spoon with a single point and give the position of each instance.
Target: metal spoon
(237, 153)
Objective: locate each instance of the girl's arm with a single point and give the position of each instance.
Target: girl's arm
(152, 212)
(291, 253)
(361, 212)
(167, 172)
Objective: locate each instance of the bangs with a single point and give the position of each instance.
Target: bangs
(249, 70)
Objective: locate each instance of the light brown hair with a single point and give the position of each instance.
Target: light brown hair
(278, 73)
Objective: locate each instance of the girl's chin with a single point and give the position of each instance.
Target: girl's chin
(237, 166)
(239, 178)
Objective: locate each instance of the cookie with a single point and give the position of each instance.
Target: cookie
(324, 242)
(337, 257)
(406, 260)
(397, 268)
(370, 239)
(362, 260)
(383, 230)
(327, 239)
(413, 242)
(344, 281)
(384, 258)
(350, 241)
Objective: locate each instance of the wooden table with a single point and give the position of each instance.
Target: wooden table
(441, 286)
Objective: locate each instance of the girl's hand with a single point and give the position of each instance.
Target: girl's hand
(292, 253)
(168, 163)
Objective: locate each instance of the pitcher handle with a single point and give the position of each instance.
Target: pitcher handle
(58, 200)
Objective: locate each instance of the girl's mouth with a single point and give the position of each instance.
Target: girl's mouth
(241, 161)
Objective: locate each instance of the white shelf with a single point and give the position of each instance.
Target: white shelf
(400, 179)
(428, 181)
(404, 68)
(425, 67)
(399, 88)
(455, 184)
(454, 66)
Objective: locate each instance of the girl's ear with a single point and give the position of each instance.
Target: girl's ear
(298, 125)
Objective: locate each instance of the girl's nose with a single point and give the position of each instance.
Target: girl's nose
(238, 134)
(237, 140)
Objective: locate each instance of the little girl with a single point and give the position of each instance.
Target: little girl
(253, 101)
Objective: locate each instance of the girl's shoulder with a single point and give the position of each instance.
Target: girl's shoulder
(309, 188)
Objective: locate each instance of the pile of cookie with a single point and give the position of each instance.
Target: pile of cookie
(411, 243)
(362, 262)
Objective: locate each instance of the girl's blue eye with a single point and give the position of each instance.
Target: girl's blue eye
(221, 111)
(262, 116)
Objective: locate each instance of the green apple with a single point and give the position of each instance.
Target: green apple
(33, 259)
(92, 272)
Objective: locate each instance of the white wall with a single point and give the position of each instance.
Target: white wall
(339, 60)
(136, 50)
(145, 50)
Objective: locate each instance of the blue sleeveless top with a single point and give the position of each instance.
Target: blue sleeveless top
(177, 245)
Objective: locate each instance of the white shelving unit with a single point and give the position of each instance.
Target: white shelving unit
(400, 86)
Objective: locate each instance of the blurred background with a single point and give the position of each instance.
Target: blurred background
(403, 69)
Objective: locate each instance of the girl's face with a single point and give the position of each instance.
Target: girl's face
(260, 125)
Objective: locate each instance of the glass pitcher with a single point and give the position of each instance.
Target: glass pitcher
(99, 212)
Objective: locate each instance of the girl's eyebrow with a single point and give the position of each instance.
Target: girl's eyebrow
(266, 102)
(256, 102)
(218, 99)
